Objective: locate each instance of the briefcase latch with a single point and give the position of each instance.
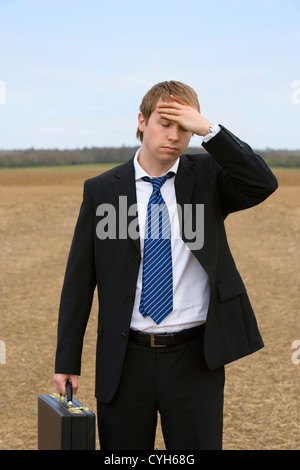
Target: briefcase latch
(78, 409)
(71, 408)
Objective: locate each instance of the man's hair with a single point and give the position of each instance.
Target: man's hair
(164, 90)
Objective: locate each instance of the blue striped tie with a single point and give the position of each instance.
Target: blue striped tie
(157, 287)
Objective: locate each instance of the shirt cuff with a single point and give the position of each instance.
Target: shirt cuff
(216, 128)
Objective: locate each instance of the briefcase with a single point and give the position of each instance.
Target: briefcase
(64, 423)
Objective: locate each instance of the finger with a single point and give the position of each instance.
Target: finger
(169, 113)
(74, 380)
(165, 108)
(169, 117)
(61, 379)
(169, 105)
(60, 383)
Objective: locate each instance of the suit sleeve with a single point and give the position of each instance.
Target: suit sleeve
(77, 292)
(244, 179)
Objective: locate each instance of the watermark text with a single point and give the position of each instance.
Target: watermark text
(296, 354)
(296, 94)
(2, 92)
(123, 222)
(2, 352)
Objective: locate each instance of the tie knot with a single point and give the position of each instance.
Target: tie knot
(158, 182)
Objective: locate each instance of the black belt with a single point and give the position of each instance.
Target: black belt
(162, 340)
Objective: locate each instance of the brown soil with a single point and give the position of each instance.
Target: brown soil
(38, 210)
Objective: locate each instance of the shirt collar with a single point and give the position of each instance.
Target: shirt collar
(140, 172)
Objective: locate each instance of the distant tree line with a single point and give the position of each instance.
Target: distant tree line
(43, 157)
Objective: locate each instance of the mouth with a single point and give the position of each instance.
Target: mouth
(170, 148)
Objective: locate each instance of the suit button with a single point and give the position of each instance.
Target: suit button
(130, 298)
(123, 335)
(136, 259)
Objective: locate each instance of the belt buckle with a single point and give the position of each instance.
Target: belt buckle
(152, 342)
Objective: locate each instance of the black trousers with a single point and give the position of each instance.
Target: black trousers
(174, 381)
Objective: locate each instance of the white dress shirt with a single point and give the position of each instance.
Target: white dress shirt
(191, 287)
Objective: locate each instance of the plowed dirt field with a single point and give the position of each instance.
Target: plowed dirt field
(38, 210)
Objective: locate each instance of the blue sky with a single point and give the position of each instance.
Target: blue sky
(75, 71)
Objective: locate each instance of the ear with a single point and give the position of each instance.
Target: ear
(141, 121)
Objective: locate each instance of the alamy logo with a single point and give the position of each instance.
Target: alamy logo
(296, 93)
(123, 223)
(2, 92)
(2, 352)
(296, 354)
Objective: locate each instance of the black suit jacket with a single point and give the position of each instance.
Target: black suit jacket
(230, 178)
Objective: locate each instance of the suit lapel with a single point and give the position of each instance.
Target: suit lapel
(123, 184)
(184, 184)
(184, 181)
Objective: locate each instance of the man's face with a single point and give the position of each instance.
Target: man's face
(163, 141)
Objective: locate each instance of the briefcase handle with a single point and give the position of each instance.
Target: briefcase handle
(69, 389)
(69, 393)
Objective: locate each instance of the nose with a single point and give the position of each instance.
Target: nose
(173, 133)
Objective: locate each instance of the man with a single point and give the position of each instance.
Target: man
(163, 338)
